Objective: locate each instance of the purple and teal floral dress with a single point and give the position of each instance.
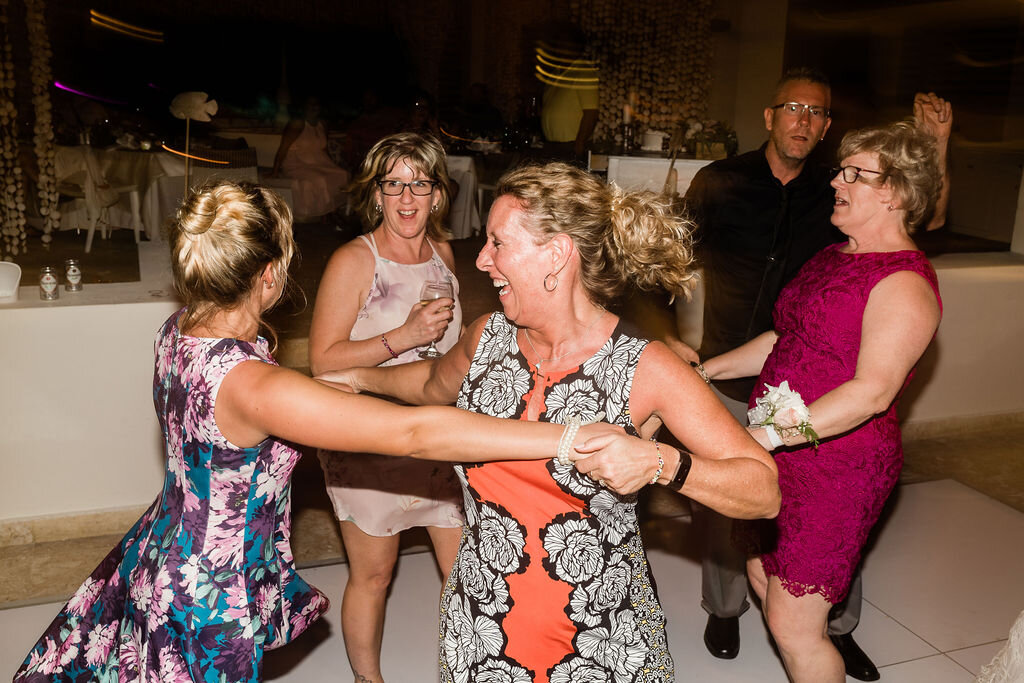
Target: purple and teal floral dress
(204, 582)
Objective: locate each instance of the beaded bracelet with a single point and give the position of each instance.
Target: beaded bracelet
(384, 341)
(661, 462)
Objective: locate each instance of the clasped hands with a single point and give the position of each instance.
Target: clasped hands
(934, 115)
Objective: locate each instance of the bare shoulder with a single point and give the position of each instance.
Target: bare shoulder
(353, 260)
(444, 250)
(660, 374)
(906, 289)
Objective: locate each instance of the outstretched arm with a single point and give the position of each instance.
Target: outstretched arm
(257, 400)
(729, 472)
(426, 382)
(743, 361)
(935, 115)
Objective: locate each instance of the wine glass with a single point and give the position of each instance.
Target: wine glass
(431, 290)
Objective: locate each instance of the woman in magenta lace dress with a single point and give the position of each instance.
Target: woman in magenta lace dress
(204, 582)
(848, 332)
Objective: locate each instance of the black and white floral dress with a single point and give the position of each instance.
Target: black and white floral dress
(551, 582)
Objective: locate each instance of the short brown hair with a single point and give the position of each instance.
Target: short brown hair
(622, 237)
(423, 153)
(908, 160)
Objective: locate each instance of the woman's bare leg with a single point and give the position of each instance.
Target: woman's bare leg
(446, 548)
(371, 564)
(799, 628)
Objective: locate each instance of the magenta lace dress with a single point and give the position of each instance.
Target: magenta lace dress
(832, 496)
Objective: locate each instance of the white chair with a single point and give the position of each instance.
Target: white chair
(98, 196)
(10, 277)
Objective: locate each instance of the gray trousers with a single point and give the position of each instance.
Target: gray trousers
(723, 566)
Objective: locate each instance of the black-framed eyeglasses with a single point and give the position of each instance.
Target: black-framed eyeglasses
(394, 188)
(851, 173)
(798, 109)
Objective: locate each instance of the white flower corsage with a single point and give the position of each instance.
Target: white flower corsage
(780, 409)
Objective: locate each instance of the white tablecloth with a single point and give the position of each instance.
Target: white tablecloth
(635, 173)
(122, 167)
(463, 218)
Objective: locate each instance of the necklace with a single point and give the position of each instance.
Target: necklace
(529, 341)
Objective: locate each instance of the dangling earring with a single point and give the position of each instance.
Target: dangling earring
(377, 208)
(554, 286)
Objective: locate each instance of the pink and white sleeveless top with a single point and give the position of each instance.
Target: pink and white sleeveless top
(395, 288)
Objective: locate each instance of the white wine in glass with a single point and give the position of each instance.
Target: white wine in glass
(431, 290)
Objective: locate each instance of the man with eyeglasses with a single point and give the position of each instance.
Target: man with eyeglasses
(760, 216)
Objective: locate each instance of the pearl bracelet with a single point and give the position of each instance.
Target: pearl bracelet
(661, 463)
(773, 436)
(572, 427)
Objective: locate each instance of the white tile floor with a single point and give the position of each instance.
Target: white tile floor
(942, 587)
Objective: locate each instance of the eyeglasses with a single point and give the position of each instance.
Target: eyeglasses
(797, 109)
(394, 188)
(851, 173)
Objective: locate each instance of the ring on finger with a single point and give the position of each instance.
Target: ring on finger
(601, 483)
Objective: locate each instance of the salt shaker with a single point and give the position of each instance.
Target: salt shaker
(72, 275)
(48, 290)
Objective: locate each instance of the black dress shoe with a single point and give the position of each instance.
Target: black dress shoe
(857, 663)
(722, 636)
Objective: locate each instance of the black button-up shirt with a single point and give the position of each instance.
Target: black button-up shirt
(753, 236)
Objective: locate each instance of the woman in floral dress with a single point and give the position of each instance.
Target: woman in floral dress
(551, 582)
(204, 582)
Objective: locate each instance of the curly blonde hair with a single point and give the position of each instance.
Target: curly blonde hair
(424, 154)
(223, 236)
(909, 162)
(622, 237)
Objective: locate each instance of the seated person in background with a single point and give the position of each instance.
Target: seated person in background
(318, 184)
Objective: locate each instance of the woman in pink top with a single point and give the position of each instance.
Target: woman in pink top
(318, 184)
(368, 313)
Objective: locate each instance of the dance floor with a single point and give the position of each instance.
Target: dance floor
(941, 585)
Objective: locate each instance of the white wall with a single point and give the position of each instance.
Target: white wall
(79, 429)
(975, 365)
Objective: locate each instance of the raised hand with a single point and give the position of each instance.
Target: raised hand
(934, 115)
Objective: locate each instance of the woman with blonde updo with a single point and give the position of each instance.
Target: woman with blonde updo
(551, 582)
(204, 582)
